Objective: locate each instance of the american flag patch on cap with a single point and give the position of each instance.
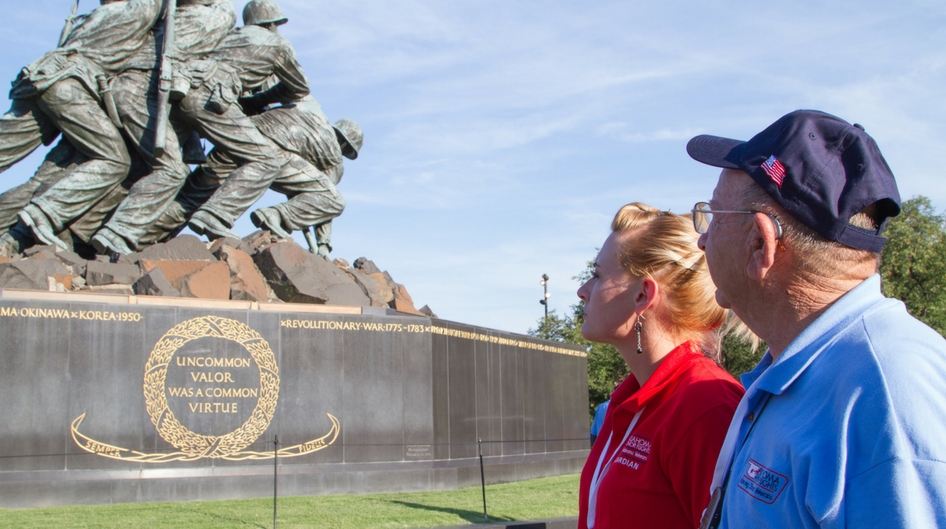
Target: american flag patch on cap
(775, 170)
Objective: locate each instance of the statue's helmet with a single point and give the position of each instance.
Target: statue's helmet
(263, 12)
(349, 135)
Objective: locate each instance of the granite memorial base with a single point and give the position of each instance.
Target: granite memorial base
(108, 399)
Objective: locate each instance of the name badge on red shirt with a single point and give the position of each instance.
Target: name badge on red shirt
(634, 453)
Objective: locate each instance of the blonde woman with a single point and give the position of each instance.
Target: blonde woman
(651, 297)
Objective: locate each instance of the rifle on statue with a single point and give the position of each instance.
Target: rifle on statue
(166, 80)
(70, 22)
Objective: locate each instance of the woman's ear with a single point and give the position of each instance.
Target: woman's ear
(647, 292)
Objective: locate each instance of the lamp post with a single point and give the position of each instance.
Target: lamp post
(546, 295)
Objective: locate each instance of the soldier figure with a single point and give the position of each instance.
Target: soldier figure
(199, 25)
(258, 51)
(310, 160)
(240, 63)
(104, 80)
(310, 186)
(61, 92)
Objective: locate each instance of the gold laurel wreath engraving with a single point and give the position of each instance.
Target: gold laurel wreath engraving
(193, 446)
(114, 452)
(156, 404)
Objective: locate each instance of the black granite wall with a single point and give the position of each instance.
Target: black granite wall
(107, 399)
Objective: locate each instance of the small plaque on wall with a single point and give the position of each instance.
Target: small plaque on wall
(418, 452)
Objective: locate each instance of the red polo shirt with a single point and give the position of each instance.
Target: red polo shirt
(660, 477)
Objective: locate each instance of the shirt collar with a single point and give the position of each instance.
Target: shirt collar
(634, 397)
(777, 375)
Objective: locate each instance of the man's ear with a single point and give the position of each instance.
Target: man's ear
(763, 246)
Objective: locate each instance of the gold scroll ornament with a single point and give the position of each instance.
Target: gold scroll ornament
(193, 446)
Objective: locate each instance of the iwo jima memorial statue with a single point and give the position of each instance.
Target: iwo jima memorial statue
(164, 368)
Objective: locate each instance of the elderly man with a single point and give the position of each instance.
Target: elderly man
(844, 420)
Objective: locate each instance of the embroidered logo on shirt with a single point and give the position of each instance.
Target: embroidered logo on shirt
(634, 453)
(761, 483)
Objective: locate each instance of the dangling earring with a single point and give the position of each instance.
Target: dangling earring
(638, 326)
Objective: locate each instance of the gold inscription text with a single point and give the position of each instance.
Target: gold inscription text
(100, 448)
(343, 325)
(215, 393)
(218, 377)
(213, 407)
(323, 325)
(312, 446)
(190, 361)
(63, 314)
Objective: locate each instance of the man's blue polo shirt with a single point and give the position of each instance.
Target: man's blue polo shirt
(847, 428)
(600, 412)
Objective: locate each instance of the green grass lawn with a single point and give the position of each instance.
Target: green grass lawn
(527, 500)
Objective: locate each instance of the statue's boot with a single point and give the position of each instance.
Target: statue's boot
(17, 239)
(9, 247)
(42, 229)
(269, 219)
(106, 242)
(204, 223)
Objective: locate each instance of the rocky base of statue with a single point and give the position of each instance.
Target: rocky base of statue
(259, 267)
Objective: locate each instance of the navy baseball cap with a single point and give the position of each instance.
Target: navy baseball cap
(820, 168)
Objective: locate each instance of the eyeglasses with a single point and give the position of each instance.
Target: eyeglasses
(703, 217)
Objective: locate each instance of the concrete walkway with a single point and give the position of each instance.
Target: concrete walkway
(553, 523)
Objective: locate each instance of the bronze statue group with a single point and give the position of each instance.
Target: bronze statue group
(130, 93)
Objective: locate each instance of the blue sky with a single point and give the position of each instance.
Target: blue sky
(500, 137)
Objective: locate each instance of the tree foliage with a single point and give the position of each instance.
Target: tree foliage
(738, 356)
(913, 264)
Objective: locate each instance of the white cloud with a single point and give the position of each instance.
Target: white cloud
(501, 137)
(623, 132)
